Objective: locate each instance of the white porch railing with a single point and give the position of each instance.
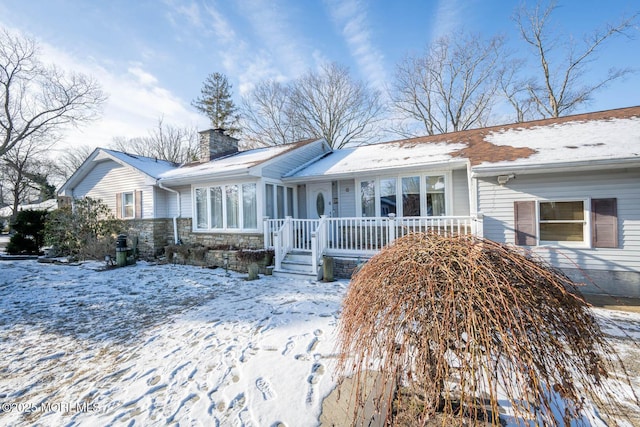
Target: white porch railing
(355, 236)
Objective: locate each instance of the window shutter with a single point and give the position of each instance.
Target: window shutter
(604, 223)
(525, 223)
(138, 204)
(118, 205)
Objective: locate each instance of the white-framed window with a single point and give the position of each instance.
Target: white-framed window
(368, 198)
(405, 195)
(588, 222)
(226, 207)
(279, 201)
(128, 205)
(562, 221)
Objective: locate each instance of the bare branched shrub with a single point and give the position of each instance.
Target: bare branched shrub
(469, 324)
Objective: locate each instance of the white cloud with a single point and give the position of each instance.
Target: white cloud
(144, 78)
(271, 23)
(136, 100)
(351, 17)
(447, 18)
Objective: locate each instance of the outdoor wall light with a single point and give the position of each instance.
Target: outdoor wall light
(503, 179)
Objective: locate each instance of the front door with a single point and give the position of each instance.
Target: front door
(319, 200)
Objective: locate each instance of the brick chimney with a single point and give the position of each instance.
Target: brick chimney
(215, 143)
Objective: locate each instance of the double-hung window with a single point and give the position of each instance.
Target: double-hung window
(128, 205)
(583, 222)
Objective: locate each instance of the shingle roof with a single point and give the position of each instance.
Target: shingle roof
(150, 166)
(612, 134)
(239, 162)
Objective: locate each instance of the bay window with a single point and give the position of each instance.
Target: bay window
(230, 207)
(404, 196)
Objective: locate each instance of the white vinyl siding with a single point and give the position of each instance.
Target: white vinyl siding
(496, 202)
(459, 193)
(108, 178)
(347, 198)
(293, 160)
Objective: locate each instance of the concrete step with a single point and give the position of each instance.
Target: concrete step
(288, 274)
(296, 266)
(300, 257)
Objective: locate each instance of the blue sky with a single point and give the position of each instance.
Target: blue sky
(151, 56)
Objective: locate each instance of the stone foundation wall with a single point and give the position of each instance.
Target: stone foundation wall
(215, 240)
(151, 235)
(343, 268)
(211, 258)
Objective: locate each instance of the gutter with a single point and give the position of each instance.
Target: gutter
(570, 166)
(176, 240)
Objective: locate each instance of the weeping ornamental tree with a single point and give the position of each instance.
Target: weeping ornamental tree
(465, 325)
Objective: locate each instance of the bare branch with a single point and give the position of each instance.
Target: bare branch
(453, 86)
(37, 99)
(559, 88)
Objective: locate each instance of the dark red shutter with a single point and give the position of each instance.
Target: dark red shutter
(138, 204)
(604, 223)
(525, 223)
(118, 205)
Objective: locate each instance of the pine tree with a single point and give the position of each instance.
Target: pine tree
(215, 102)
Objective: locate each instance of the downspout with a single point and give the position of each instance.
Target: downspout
(176, 240)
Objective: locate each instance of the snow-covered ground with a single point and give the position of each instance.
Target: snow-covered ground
(167, 344)
(162, 344)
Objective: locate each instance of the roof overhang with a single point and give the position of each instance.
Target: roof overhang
(446, 165)
(206, 178)
(559, 167)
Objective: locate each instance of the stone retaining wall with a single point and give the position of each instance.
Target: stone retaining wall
(239, 240)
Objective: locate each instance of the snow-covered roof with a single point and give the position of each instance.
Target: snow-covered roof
(377, 157)
(233, 165)
(47, 205)
(612, 135)
(151, 167)
(147, 165)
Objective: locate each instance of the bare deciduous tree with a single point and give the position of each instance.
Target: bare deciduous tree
(332, 105)
(326, 104)
(267, 116)
(71, 160)
(166, 142)
(453, 86)
(560, 87)
(26, 171)
(37, 99)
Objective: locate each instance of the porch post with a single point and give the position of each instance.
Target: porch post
(391, 228)
(267, 232)
(288, 237)
(478, 222)
(314, 251)
(277, 250)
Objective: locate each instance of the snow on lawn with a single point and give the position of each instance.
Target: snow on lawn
(166, 344)
(158, 344)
